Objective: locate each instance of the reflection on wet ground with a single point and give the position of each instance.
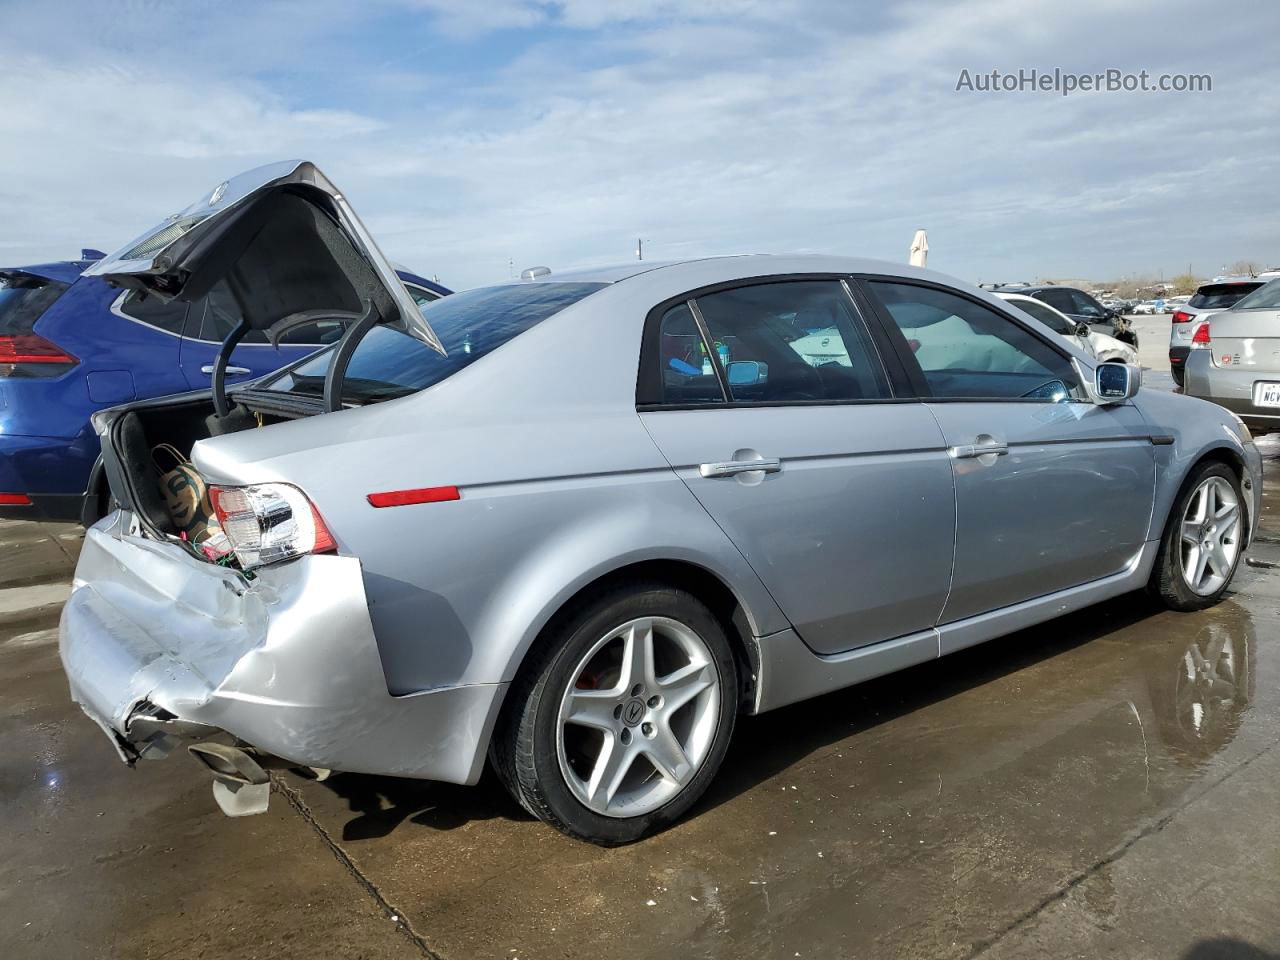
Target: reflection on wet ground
(1101, 785)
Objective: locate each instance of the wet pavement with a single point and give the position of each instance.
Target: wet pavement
(1105, 784)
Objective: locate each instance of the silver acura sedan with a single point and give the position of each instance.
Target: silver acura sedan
(575, 526)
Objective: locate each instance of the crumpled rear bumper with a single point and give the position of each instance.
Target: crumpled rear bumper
(155, 641)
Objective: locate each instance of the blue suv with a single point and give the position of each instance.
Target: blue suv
(70, 345)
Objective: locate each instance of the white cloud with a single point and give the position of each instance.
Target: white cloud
(706, 128)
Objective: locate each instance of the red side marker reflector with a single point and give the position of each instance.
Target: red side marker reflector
(14, 500)
(402, 498)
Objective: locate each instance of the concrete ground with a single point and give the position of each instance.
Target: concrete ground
(1101, 785)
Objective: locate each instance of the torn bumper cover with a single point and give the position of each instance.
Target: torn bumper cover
(158, 645)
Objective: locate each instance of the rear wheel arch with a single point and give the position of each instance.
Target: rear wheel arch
(706, 586)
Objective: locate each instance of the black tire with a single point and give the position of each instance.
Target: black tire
(1177, 375)
(524, 746)
(1167, 583)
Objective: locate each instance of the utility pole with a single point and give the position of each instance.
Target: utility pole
(639, 248)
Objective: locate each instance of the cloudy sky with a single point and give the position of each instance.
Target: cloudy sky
(472, 135)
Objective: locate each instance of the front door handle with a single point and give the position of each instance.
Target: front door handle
(731, 468)
(231, 371)
(984, 446)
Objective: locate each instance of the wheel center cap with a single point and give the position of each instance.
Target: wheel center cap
(633, 713)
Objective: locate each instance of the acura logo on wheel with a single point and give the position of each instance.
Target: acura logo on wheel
(633, 712)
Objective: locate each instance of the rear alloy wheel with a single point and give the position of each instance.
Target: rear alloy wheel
(640, 717)
(1203, 541)
(622, 717)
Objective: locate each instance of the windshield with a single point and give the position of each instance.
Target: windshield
(1219, 296)
(390, 364)
(1266, 297)
(23, 298)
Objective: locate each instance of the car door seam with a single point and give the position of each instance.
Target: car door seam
(955, 525)
(723, 532)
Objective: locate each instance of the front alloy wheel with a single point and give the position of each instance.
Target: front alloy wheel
(1203, 540)
(1210, 536)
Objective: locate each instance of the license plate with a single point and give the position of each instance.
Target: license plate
(1266, 394)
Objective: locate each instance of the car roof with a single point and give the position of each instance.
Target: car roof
(1035, 288)
(616, 272)
(696, 271)
(418, 280)
(63, 271)
(1231, 281)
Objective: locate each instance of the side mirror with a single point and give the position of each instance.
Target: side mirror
(1116, 382)
(746, 373)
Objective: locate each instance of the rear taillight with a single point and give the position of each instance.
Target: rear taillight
(1200, 339)
(1181, 316)
(14, 500)
(31, 355)
(269, 522)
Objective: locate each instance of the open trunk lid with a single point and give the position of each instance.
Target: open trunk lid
(289, 246)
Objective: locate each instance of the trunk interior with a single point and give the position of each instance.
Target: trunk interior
(136, 435)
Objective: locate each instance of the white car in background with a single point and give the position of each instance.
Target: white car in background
(1106, 349)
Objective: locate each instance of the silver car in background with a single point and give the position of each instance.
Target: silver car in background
(1234, 359)
(574, 527)
(1209, 298)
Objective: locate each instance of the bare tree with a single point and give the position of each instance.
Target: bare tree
(1132, 288)
(1246, 268)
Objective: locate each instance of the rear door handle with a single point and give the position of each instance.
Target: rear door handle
(731, 468)
(979, 448)
(231, 371)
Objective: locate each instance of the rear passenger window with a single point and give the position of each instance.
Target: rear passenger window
(1058, 299)
(149, 309)
(792, 341)
(688, 374)
(1085, 305)
(968, 351)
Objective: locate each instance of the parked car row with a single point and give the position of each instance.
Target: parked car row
(1106, 349)
(573, 527)
(1079, 306)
